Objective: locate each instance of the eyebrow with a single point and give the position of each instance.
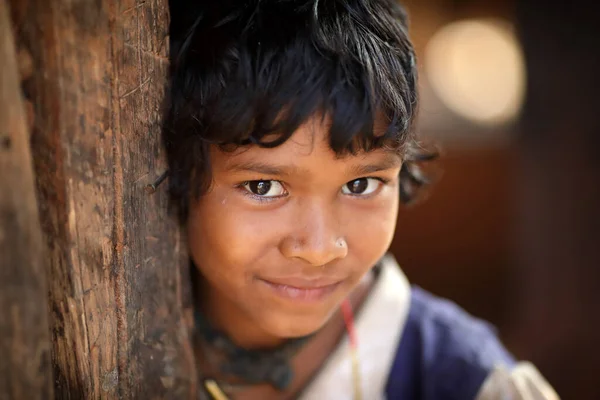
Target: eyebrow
(388, 162)
(263, 168)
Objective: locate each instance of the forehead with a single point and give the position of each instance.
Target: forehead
(308, 149)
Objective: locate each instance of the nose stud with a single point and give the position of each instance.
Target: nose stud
(340, 242)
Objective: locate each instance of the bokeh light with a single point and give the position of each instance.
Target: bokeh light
(477, 70)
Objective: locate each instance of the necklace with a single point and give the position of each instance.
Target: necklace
(252, 366)
(275, 364)
(349, 321)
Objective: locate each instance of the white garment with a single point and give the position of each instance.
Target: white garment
(523, 382)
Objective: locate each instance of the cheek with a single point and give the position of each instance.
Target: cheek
(224, 237)
(372, 230)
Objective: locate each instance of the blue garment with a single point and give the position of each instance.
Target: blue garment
(444, 353)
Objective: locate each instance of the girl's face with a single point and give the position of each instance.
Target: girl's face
(285, 234)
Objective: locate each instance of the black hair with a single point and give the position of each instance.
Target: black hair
(251, 72)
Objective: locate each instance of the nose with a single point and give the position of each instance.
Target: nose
(316, 236)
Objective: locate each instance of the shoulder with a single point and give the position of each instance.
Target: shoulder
(444, 353)
(451, 335)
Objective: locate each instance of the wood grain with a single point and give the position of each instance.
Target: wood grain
(118, 272)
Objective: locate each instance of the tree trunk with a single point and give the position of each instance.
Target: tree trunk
(25, 371)
(119, 291)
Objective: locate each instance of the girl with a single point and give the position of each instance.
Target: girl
(291, 144)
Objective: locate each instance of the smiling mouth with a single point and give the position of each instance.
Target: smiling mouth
(306, 293)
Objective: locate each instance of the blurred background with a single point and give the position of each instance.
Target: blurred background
(511, 231)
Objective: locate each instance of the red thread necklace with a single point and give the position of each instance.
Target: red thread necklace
(349, 321)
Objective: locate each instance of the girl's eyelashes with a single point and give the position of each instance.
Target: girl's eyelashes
(264, 188)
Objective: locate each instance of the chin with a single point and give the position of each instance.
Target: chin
(287, 326)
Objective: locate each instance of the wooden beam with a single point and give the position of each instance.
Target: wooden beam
(25, 371)
(119, 291)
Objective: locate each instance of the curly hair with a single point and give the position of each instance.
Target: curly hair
(251, 72)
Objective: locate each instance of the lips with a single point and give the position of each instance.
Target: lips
(303, 283)
(302, 289)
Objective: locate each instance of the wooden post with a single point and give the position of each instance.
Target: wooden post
(25, 371)
(118, 268)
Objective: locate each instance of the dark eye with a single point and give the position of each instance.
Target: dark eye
(361, 186)
(265, 188)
